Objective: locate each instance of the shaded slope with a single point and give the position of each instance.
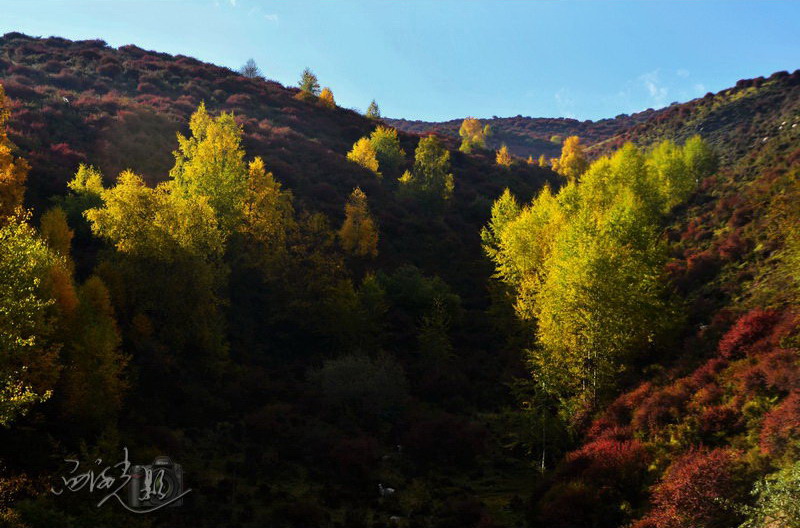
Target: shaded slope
(84, 101)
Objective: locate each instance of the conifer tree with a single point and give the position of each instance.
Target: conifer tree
(359, 234)
(503, 157)
(326, 98)
(373, 112)
(309, 84)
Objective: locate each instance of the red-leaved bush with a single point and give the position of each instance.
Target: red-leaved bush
(696, 490)
(613, 460)
(748, 332)
(780, 430)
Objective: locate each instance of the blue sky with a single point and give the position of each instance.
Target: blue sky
(445, 59)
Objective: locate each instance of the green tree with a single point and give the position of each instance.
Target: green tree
(56, 232)
(84, 194)
(156, 222)
(167, 266)
(432, 168)
(776, 500)
(309, 84)
(269, 219)
(28, 320)
(387, 148)
(700, 158)
(572, 162)
(362, 386)
(94, 381)
(373, 112)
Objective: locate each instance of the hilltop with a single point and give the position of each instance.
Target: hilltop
(733, 120)
(533, 136)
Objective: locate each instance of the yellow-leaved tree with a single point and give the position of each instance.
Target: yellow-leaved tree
(326, 98)
(503, 157)
(13, 170)
(359, 234)
(585, 265)
(573, 162)
(473, 134)
(210, 164)
(269, 221)
(364, 154)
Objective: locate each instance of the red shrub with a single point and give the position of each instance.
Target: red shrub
(611, 461)
(618, 413)
(733, 246)
(781, 369)
(689, 494)
(662, 407)
(708, 372)
(720, 419)
(781, 427)
(239, 99)
(110, 69)
(747, 331)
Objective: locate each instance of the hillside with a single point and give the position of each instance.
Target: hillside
(734, 120)
(301, 348)
(737, 121)
(717, 410)
(84, 102)
(264, 355)
(531, 136)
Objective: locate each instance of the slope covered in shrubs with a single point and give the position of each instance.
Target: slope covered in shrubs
(706, 434)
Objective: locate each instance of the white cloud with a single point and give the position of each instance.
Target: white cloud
(682, 73)
(700, 88)
(565, 103)
(271, 17)
(233, 3)
(658, 92)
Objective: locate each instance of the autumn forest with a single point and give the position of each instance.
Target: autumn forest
(331, 318)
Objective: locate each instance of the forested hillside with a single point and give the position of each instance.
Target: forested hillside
(533, 136)
(330, 322)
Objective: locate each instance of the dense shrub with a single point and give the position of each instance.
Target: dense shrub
(698, 490)
(780, 433)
